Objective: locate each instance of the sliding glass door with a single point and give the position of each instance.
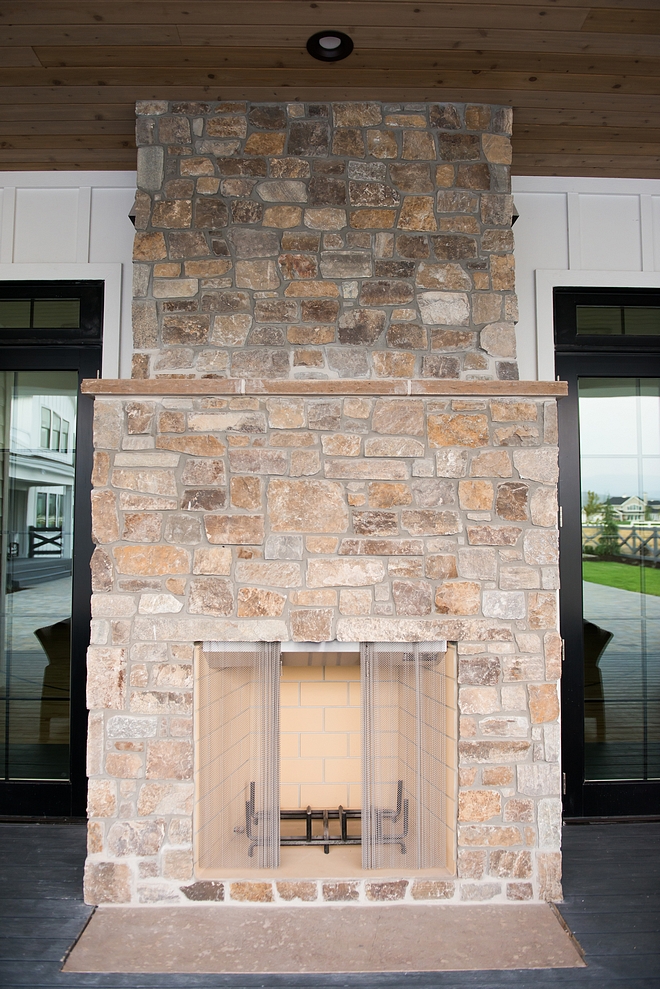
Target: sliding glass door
(610, 558)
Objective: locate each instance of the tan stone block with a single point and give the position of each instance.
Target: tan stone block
(285, 413)
(106, 677)
(537, 465)
(548, 867)
(235, 529)
(94, 837)
(311, 598)
(393, 365)
(497, 148)
(543, 703)
(321, 544)
(306, 506)
(418, 145)
(107, 882)
(254, 602)
(553, 655)
(428, 522)
(372, 219)
(478, 700)
(467, 776)
(384, 495)
(327, 218)
(479, 805)
(417, 213)
(245, 492)
(149, 246)
(136, 837)
(487, 308)
(251, 892)
(216, 560)
(102, 798)
(493, 535)
(169, 760)
(471, 864)
(458, 430)
(382, 144)
(355, 601)
(108, 421)
(458, 598)
(448, 277)
(282, 216)
(211, 596)
(340, 891)
(159, 482)
(312, 625)
(491, 463)
(142, 527)
(126, 765)
(441, 566)
(277, 573)
(541, 546)
(305, 891)
(341, 445)
(398, 417)
(344, 572)
(386, 891)
(497, 775)
(105, 521)
(432, 889)
(492, 836)
(177, 863)
(519, 578)
(518, 810)
(197, 446)
(475, 495)
(543, 507)
(543, 610)
(488, 752)
(151, 560)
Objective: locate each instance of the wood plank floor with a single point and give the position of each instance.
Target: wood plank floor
(612, 889)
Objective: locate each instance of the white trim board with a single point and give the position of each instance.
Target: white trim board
(547, 280)
(110, 274)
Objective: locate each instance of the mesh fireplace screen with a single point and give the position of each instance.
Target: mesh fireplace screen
(238, 755)
(405, 756)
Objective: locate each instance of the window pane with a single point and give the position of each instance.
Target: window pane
(641, 322)
(56, 314)
(14, 313)
(599, 320)
(45, 428)
(64, 438)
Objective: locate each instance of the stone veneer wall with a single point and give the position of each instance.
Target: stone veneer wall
(323, 241)
(361, 518)
(340, 240)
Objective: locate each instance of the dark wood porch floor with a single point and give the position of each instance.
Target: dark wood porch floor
(611, 884)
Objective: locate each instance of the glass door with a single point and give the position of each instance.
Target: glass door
(45, 548)
(37, 503)
(610, 560)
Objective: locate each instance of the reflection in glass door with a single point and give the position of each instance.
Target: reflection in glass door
(38, 424)
(619, 429)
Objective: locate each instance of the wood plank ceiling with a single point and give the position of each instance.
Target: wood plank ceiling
(583, 77)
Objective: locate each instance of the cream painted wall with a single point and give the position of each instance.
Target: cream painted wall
(579, 231)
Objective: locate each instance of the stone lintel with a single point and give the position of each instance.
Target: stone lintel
(261, 386)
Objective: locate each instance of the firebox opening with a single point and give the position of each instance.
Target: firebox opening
(294, 740)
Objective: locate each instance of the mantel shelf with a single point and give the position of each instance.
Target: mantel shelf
(345, 387)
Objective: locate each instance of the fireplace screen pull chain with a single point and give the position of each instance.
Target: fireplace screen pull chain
(341, 814)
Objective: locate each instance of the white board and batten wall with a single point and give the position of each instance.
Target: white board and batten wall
(578, 232)
(571, 231)
(74, 225)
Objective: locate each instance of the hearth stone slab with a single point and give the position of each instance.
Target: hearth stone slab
(330, 939)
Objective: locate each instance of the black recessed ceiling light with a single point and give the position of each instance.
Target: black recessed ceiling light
(330, 46)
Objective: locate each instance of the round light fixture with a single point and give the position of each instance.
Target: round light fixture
(329, 46)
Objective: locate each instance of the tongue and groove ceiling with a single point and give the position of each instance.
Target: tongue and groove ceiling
(584, 80)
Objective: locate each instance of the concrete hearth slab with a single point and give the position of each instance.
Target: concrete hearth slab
(392, 938)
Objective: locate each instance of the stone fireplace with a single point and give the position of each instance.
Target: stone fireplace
(324, 441)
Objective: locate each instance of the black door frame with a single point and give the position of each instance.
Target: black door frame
(52, 798)
(582, 798)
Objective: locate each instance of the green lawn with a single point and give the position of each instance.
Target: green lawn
(621, 575)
